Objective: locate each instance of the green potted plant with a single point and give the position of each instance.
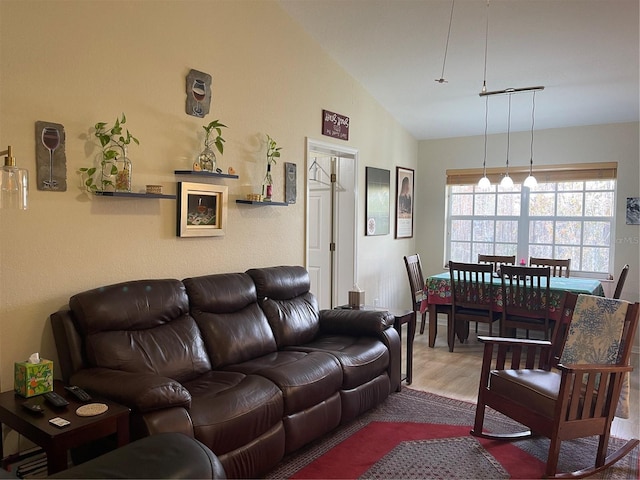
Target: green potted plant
(114, 160)
(207, 158)
(273, 152)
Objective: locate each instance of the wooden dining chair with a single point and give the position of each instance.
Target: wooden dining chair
(497, 260)
(559, 268)
(525, 300)
(416, 286)
(573, 397)
(621, 280)
(471, 298)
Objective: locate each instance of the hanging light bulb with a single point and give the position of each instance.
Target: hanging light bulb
(506, 182)
(531, 181)
(484, 183)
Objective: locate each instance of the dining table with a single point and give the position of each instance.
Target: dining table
(437, 294)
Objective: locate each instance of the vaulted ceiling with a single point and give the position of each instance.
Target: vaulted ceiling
(584, 52)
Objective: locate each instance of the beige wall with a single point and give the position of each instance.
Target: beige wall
(599, 143)
(80, 62)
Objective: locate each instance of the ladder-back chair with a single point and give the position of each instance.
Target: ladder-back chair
(621, 280)
(472, 294)
(497, 260)
(559, 268)
(579, 397)
(416, 286)
(525, 300)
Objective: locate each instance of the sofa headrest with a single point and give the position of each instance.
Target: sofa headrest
(221, 293)
(134, 305)
(280, 283)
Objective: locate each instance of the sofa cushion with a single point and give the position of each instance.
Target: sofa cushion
(142, 327)
(362, 358)
(233, 326)
(231, 409)
(292, 311)
(305, 378)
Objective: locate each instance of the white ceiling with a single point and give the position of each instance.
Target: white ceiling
(584, 52)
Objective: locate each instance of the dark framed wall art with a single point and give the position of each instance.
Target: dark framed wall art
(377, 201)
(404, 202)
(202, 210)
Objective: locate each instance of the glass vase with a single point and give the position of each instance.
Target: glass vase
(123, 177)
(267, 185)
(207, 159)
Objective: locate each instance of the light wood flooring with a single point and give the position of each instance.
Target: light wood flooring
(456, 374)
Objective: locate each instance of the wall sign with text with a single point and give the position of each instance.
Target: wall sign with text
(335, 125)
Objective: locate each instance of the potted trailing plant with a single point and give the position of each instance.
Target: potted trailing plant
(207, 158)
(114, 160)
(273, 152)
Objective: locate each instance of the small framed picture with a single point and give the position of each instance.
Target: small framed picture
(377, 198)
(202, 210)
(404, 202)
(633, 210)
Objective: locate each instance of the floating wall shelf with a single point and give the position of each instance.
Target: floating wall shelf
(133, 194)
(254, 202)
(204, 174)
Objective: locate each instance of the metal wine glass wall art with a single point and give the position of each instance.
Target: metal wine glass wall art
(198, 93)
(51, 157)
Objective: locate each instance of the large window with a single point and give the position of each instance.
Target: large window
(559, 218)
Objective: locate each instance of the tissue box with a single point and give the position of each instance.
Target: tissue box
(33, 378)
(356, 299)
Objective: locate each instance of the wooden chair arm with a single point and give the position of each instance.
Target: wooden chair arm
(589, 368)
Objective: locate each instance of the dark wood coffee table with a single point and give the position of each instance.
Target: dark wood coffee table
(57, 441)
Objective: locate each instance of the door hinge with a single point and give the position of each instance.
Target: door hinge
(333, 178)
(332, 247)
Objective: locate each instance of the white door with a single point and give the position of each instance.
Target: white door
(331, 221)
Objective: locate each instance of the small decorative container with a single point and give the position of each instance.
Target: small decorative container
(123, 177)
(267, 185)
(33, 378)
(154, 189)
(207, 159)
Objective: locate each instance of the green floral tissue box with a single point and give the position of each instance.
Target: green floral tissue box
(33, 378)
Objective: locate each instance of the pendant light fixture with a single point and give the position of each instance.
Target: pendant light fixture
(485, 183)
(446, 47)
(507, 183)
(531, 181)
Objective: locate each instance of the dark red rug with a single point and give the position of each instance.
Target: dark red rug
(419, 435)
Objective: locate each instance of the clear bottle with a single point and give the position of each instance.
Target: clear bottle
(207, 159)
(267, 185)
(14, 184)
(123, 177)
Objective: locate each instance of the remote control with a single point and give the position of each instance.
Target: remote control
(33, 407)
(54, 399)
(79, 393)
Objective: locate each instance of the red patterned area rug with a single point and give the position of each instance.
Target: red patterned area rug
(419, 435)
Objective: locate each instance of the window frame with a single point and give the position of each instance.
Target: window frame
(553, 174)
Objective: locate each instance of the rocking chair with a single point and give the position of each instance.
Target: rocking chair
(573, 396)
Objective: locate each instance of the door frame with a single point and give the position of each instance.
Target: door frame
(338, 151)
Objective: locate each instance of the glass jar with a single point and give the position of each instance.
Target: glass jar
(267, 185)
(123, 176)
(207, 159)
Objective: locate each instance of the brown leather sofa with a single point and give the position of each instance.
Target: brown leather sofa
(243, 362)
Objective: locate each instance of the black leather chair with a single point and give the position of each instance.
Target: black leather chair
(165, 455)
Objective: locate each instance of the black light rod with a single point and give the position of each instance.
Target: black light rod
(511, 90)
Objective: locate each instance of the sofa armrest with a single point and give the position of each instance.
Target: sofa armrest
(355, 322)
(142, 392)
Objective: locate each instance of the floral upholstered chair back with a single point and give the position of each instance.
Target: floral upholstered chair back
(595, 337)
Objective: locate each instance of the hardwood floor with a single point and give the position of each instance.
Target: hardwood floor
(456, 374)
